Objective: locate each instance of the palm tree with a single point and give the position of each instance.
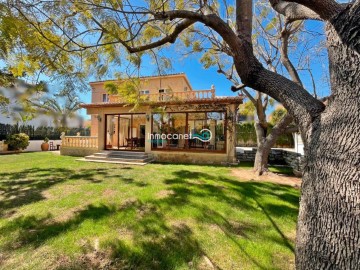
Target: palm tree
(59, 111)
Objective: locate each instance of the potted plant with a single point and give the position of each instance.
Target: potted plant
(45, 144)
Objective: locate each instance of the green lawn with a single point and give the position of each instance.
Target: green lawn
(59, 213)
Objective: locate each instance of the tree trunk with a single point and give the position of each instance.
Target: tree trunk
(262, 152)
(328, 233)
(265, 143)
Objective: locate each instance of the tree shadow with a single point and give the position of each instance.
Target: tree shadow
(157, 245)
(34, 231)
(131, 181)
(27, 186)
(157, 242)
(248, 197)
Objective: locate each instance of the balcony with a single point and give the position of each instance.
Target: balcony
(174, 96)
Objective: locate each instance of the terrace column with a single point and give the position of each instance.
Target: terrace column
(213, 131)
(101, 131)
(148, 131)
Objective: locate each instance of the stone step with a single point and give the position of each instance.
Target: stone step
(113, 162)
(123, 151)
(118, 159)
(129, 155)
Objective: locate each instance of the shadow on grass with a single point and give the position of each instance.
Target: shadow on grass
(27, 186)
(159, 243)
(282, 169)
(34, 231)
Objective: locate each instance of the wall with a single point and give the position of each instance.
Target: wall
(177, 83)
(35, 146)
(191, 157)
(276, 157)
(77, 151)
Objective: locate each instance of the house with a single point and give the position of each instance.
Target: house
(172, 123)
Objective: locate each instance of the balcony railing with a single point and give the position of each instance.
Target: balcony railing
(175, 96)
(79, 142)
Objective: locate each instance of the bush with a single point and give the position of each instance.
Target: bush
(18, 141)
(246, 136)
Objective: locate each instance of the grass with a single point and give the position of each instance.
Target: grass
(59, 213)
(281, 169)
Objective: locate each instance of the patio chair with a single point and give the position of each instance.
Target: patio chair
(129, 142)
(52, 146)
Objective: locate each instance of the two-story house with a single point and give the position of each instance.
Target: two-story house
(172, 123)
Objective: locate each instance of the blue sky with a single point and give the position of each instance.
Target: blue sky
(201, 78)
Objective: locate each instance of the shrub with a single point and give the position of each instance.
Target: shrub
(18, 141)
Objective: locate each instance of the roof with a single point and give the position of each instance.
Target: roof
(217, 100)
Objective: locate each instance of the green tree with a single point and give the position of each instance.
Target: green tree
(60, 108)
(278, 114)
(328, 224)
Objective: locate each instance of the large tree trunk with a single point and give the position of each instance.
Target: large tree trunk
(328, 233)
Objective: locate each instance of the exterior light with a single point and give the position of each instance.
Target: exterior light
(98, 118)
(148, 117)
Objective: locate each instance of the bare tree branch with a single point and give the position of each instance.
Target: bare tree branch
(168, 39)
(285, 34)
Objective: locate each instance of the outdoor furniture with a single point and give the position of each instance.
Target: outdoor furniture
(52, 146)
(132, 142)
(128, 143)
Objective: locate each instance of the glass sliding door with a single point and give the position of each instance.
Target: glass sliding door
(125, 132)
(138, 132)
(187, 131)
(111, 132)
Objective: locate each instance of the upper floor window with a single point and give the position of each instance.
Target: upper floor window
(185, 88)
(105, 98)
(144, 92)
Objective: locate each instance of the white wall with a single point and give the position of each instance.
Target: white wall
(299, 144)
(36, 145)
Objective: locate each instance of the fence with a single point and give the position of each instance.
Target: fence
(39, 133)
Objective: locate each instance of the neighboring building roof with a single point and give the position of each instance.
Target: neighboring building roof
(218, 100)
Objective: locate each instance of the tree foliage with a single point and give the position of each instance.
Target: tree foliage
(277, 115)
(72, 37)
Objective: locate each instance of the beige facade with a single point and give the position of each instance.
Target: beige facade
(152, 86)
(117, 126)
(174, 83)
